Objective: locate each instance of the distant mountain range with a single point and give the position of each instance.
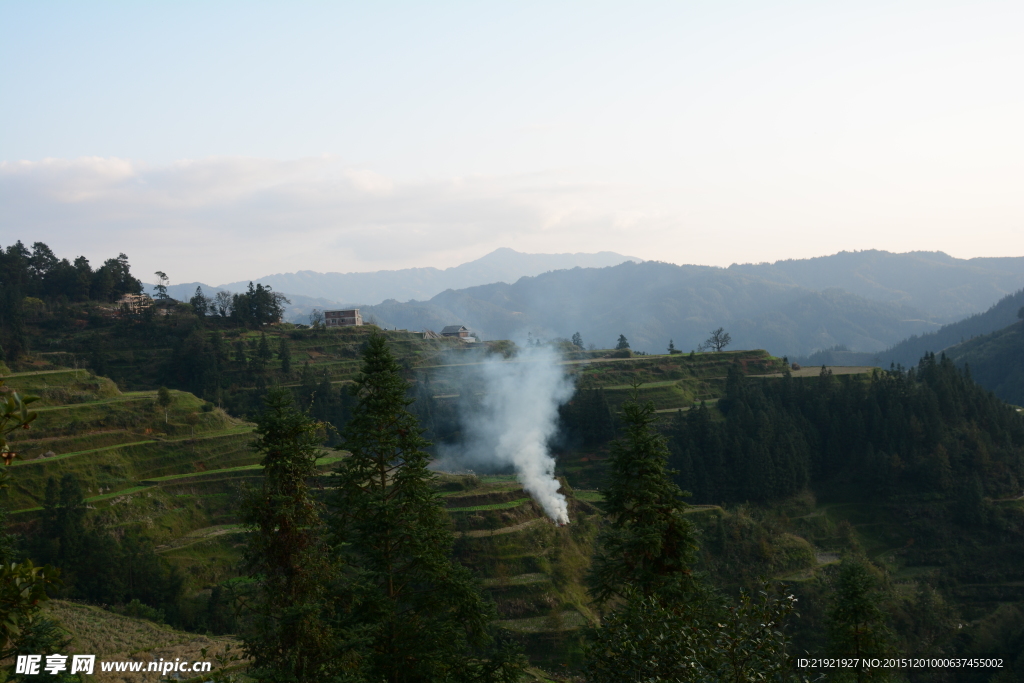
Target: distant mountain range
(909, 351)
(790, 307)
(865, 302)
(501, 265)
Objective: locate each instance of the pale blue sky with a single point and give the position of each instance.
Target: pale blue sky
(392, 134)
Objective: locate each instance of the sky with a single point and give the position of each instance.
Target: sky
(219, 141)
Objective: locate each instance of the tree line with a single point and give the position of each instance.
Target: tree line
(929, 429)
(38, 275)
(360, 585)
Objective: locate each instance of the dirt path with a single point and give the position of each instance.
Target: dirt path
(480, 533)
(836, 370)
(134, 396)
(200, 535)
(42, 372)
(709, 401)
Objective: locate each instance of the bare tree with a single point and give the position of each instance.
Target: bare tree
(223, 303)
(316, 318)
(718, 340)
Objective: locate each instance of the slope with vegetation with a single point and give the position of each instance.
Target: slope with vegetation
(888, 501)
(996, 360)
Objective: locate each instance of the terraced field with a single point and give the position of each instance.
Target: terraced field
(178, 474)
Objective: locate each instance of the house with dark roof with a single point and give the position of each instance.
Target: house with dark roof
(459, 331)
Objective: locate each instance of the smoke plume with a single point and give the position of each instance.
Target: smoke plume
(513, 420)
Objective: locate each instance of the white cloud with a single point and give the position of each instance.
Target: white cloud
(222, 219)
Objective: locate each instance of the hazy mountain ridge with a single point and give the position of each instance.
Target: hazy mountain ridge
(947, 288)
(501, 265)
(653, 302)
(909, 351)
(867, 301)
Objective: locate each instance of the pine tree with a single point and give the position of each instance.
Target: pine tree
(263, 353)
(289, 638)
(424, 618)
(856, 624)
(669, 625)
(623, 343)
(647, 542)
(284, 353)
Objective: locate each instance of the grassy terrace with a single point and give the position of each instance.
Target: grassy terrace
(177, 476)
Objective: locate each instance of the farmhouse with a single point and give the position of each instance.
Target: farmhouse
(347, 317)
(458, 331)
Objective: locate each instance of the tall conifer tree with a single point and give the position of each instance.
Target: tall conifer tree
(647, 543)
(289, 637)
(423, 616)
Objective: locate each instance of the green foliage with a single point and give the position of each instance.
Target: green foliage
(284, 354)
(647, 541)
(856, 624)
(288, 635)
(420, 612)
(164, 400)
(623, 343)
(701, 641)
(23, 586)
(258, 306)
(894, 433)
(577, 339)
(588, 418)
(996, 361)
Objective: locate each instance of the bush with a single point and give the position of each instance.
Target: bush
(140, 611)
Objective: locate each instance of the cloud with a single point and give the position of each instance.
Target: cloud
(221, 219)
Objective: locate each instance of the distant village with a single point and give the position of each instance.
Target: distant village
(135, 304)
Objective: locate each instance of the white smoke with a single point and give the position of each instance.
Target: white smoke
(516, 416)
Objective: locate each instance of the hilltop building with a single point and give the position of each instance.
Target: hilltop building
(134, 304)
(346, 317)
(459, 331)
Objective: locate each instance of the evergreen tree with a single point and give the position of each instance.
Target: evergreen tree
(201, 304)
(288, 636)
(263, 354)
(647, 542)
(161, 286)
(577, 340)
(856, 624)
(623, 343)
(164, 400)
(421, 612)
(284, 354)
(669, 626)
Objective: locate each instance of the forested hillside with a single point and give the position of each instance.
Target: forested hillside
(841, 486)
(996, 361)
(866, 301)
